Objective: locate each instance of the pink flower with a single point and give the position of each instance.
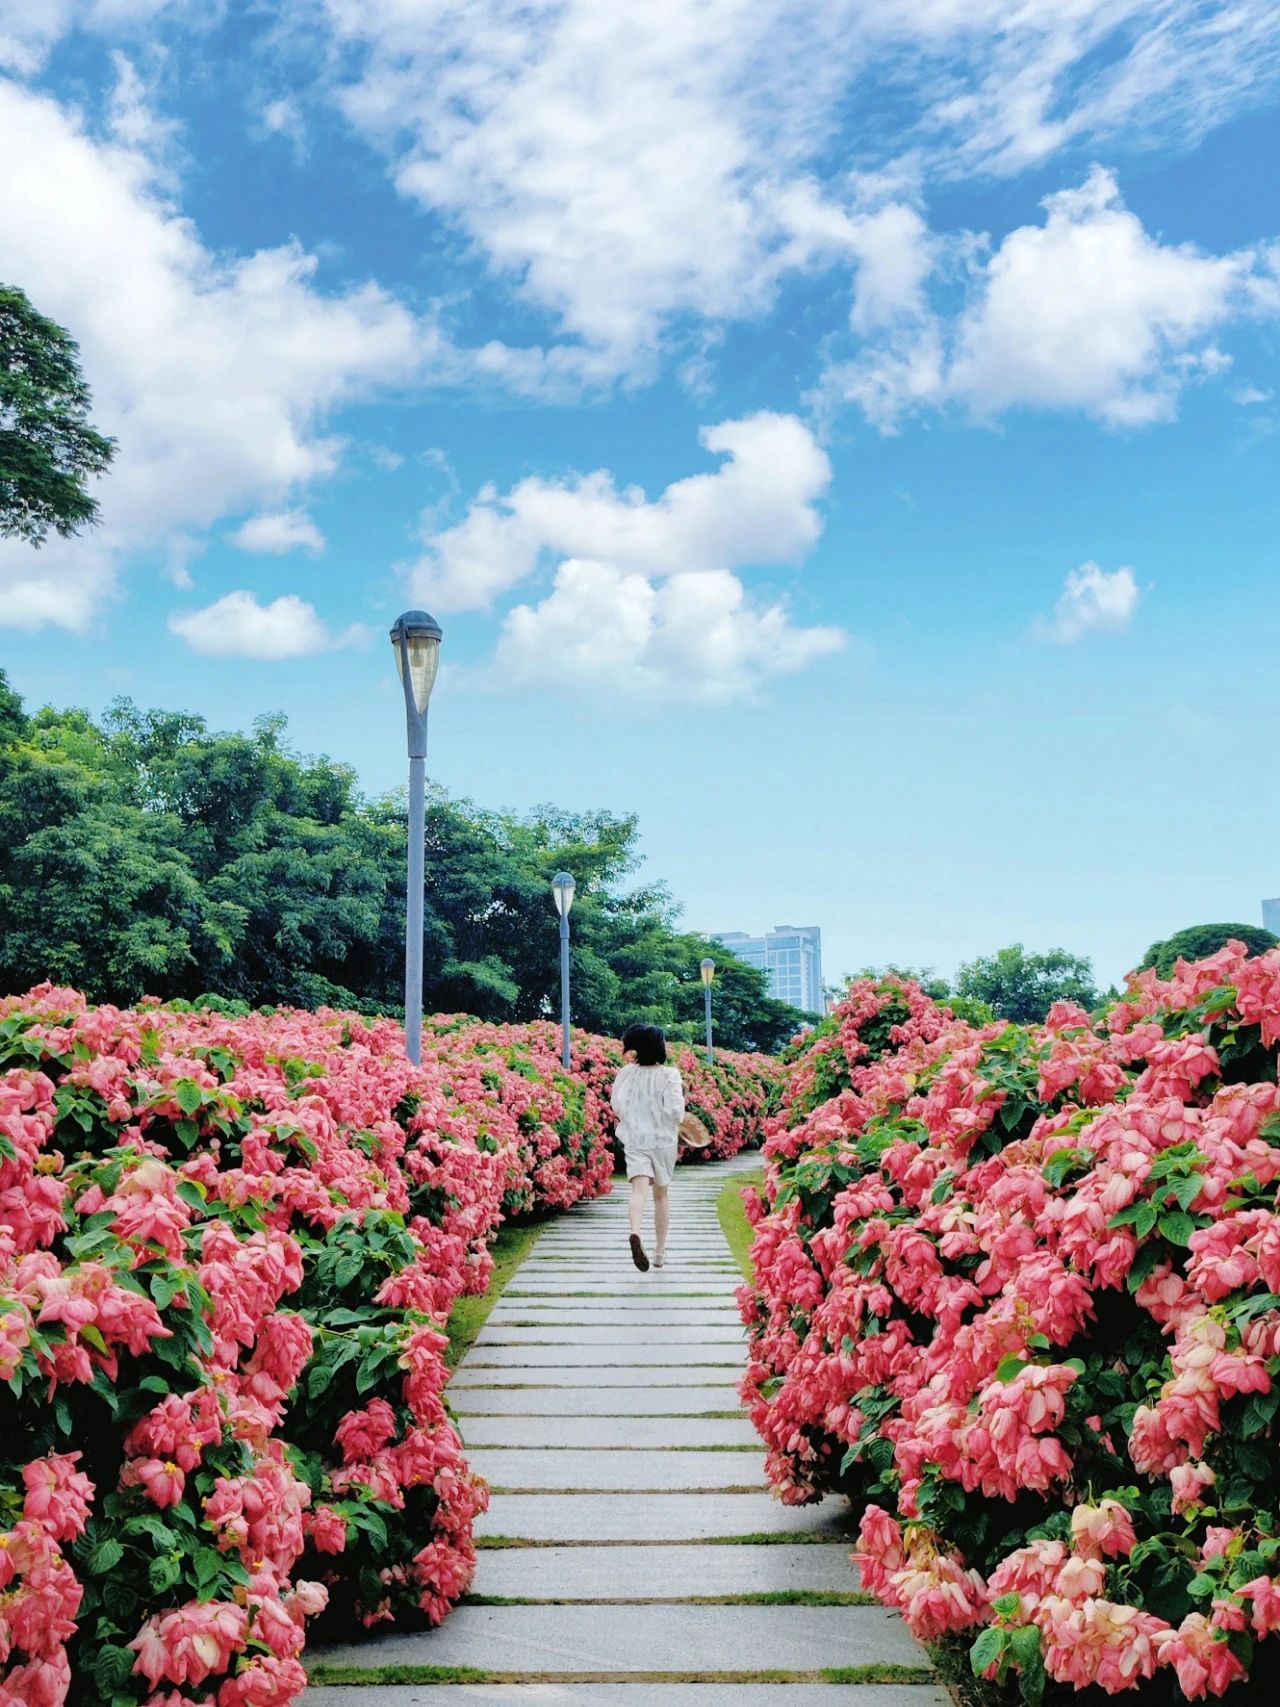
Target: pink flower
(59, 1497)
(1204, 1663)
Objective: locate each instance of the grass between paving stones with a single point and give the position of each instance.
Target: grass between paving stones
(469, 1315)
(343, 1674)
(765, 1597)
(733, 1218)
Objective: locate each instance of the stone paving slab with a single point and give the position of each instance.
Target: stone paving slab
(623, 1433)
(472, 1376)
(633, 1573)
(657, 1517)
(615, 1472)
(656, 1283)
(589, 1308)
(610, 1333)
(530, 1639)
(628, 1695)
(470, 1400)
(571, 1355)
(571, 1312)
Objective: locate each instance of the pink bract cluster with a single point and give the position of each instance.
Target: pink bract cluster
(1018, 1294)
(228, 1251)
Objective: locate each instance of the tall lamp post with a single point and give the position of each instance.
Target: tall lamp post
(562, 890)
(708, 970)
(416, 640)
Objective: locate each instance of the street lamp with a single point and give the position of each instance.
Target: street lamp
(416, 641)
(562, 890)
(708, 971)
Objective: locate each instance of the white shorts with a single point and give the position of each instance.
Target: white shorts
(658, 1164)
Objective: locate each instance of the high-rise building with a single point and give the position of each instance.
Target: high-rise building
(792, 957)
(1271, 916)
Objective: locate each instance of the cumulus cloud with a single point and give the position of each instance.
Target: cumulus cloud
(276, 532)
(645, 599)
(759, 506)
(217, 375)
(610, 631)
(1085, 311)
(624, 167)
(1092, 601)
(237, 626)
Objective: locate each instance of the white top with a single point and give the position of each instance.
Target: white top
(649, 1103)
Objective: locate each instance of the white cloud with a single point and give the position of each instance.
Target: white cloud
(215, 374)
(1092, 601)
(628, 167)
(29, 28)
(1247, 395)
(1086, 311)
(616, 632)
(759, 506)
(645, 601)
(237, 626)
(278, 531)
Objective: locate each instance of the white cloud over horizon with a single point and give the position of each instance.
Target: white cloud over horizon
(645, 596)
(1085, 311)
(275, 532)
(237, 626)
(216, 375)
(1092, 601)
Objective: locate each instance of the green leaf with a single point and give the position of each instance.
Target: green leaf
(1007, 1605)
(164, 1572)
(105, 1557)
(987, 1650)
(1010, 1367)
(188, 1096)
(1177, 1226)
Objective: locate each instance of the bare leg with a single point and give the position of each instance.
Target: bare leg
(639, 1202)
(661, 1217)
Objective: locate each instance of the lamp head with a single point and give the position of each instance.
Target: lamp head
(415, 639)
(708, 970)
(562, 890)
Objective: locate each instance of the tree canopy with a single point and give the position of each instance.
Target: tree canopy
(48, 449)
(1197, 941)
(147, 854)
(1023, 987)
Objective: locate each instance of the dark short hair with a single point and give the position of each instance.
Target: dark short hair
(649, 1043)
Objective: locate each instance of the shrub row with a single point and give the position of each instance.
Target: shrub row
(1017, 1293)
(229, 1245)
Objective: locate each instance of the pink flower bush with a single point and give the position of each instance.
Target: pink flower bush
(228, 1252)
(1017, 1293)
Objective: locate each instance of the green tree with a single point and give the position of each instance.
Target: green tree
(150, 854)
(1198, 941)
(1019, 986)
(48, 449)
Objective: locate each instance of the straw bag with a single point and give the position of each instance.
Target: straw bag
(693, 1133)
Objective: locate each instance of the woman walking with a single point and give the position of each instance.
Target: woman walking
(648, 1099)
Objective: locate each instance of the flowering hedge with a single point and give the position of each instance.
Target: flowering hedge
(228, 1249)
(1018, 1294)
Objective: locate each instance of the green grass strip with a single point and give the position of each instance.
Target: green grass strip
(320, 1671)
(738, 1231)
(469, 1315)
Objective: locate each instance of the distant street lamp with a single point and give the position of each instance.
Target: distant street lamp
(416, 640)
(562, 889)
(708, 970)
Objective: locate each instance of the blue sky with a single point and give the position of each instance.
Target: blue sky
(841, 431)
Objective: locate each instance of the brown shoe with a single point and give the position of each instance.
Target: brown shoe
(637, 1254)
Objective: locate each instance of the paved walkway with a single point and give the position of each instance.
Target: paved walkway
(601, 1405)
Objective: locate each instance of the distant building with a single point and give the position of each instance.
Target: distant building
(1271, 916)
(792, 957)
